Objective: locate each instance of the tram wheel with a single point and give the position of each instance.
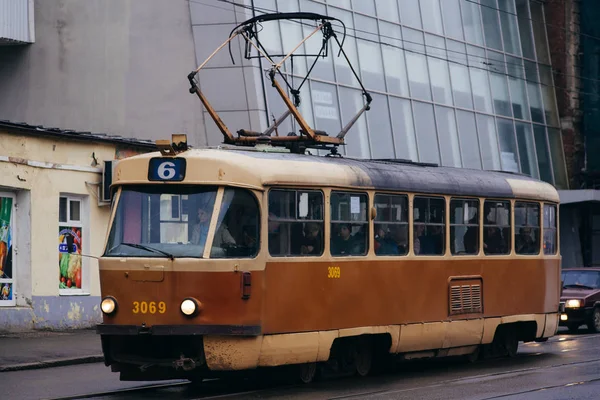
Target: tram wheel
(363, 356)
(307, 372)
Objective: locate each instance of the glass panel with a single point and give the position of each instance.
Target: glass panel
(380, 129)
(139, 231)
(369, 54)
(518, 90)
(548, 93)
(433, 20)
(471, 19)
(527, 228)
(426, 134)
(550, 240)
(417, 65)
(349, 224)
(440, 77)
(525, 28)
(461, 84)
(510, 32)
(543, 156)
(391, 225)
(469, 144)
(326, 108)
(387, 10)
(238, 226)
(558, 160)
(409, 13)
(324, 67)
(488, 141)
(452, 24)
(464, 226)
(429, 228)
(337, 3)
(496, 227)
(526, 149)
(533, 91)
(480, 82)
(62, 209)
(364, 6)
(295, 223)
(343, 72)
(404, 129)
(449, 147)
(539, 32)
(270, 35)
(499, 84)
(291, 35)
(393, 58)
(491, 24)
(74, 210)
(7, 267)
(357, 138)
(508, 149)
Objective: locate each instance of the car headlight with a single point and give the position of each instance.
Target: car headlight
(108, 305)
(189, 307)
(573, 303)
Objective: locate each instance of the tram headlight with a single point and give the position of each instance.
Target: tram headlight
(108, 305)
(189, 307)
(573, 303)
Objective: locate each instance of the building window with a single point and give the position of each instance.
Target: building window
(391, 225)
(429, 226)
(70, 233)
(295, 223)
(349, 224)
(496, 227)
(549, 229)
(527, 228)
(7, 273)
(464, 226)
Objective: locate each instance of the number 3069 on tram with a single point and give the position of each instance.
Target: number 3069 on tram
(222, 260)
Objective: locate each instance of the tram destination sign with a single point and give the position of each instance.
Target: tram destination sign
(166, 169)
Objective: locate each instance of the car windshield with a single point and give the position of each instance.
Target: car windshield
(173, 221)
(158, 221)
(581, 279)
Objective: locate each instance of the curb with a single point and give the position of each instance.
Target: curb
(53, 363)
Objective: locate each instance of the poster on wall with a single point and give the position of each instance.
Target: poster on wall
(6, 252)
(69, 261)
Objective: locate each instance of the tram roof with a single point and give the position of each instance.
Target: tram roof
(259, 169)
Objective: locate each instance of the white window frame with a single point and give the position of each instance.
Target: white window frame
(83, 224)
(13, 280)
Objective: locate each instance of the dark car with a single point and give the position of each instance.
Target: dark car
(580, 299)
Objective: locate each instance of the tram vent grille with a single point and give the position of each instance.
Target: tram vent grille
(465, 299)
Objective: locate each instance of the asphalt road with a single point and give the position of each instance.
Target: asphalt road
(565, 367)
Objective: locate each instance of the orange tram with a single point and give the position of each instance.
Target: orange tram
(225, 259)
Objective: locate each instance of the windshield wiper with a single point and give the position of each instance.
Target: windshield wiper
(148, 248)
(577, 285)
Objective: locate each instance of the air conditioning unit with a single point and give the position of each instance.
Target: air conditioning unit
(108, 173)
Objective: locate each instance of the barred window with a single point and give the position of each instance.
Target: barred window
(429, 228)
(464, 226)
(527, 228)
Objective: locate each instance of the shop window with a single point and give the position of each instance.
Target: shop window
(70, 235)
(7, 272)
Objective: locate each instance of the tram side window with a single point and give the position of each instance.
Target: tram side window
(464, 226)
(496, 227)
(295, 223)
(527, 228)
(549, 229)
(238, 226)
(391, 225)
(429, 229)
(349, 224)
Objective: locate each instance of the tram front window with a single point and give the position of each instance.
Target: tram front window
(159, 221)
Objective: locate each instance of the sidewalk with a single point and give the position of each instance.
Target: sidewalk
(44, 349)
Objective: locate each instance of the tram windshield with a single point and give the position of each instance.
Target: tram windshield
(174, 221)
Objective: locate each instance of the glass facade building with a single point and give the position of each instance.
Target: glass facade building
(463, 83)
